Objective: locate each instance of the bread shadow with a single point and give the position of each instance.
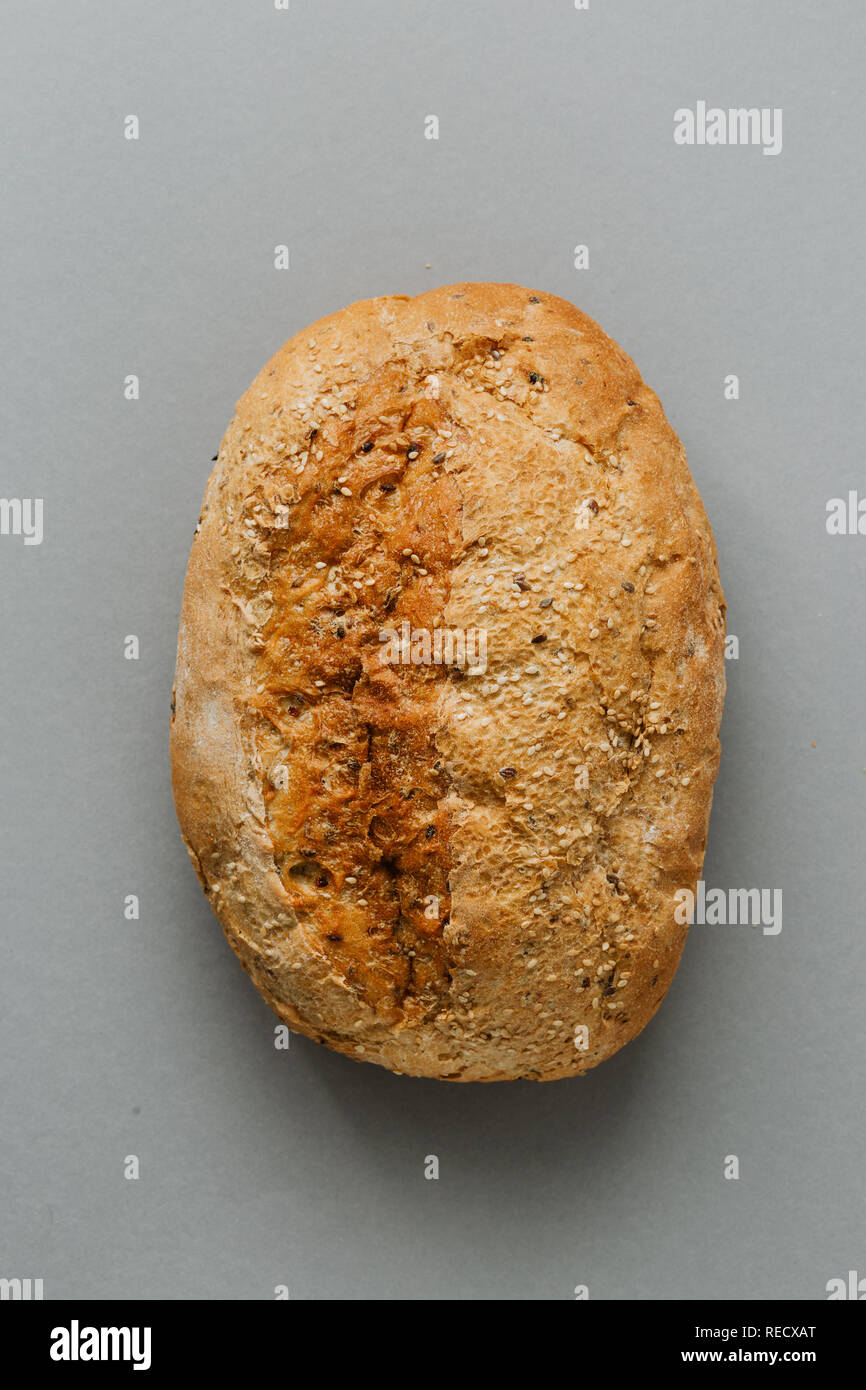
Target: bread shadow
(496, 1134)
(488, 1126)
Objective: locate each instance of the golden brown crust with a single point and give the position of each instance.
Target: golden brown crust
(467, 876)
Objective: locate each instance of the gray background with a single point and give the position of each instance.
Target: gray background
(261, 1168)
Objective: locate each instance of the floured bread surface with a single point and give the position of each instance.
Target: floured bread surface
(465, 871)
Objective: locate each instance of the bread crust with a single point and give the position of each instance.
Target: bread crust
(469, 877)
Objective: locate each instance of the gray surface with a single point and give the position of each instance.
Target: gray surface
(260, 1168)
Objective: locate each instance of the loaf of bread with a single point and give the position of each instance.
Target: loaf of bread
(449, 684)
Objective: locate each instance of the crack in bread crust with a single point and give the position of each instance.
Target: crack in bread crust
(451, 873)
(353, 785)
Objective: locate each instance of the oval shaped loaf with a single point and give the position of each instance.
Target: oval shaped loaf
(457, 871)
